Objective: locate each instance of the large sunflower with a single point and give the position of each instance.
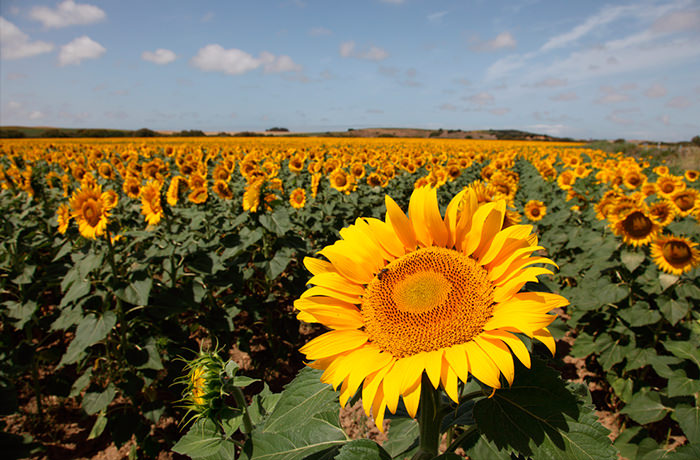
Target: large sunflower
(424, 293)
(89, 211)
(675, 255)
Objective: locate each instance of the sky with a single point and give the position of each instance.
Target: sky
(585, 69)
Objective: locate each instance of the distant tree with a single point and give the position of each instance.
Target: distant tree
(695, 141)
(190, 133)
(53, 133)
(144, 132)
(11, 134)
(277, 130)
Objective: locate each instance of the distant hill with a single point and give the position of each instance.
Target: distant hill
(503, 134)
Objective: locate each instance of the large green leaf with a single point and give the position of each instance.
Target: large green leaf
(90, 330)
(304, 421)
(362, 449)
(95, 402)
(402, 435)
(202, 440)
(688, 417)
(632, 259)
(640, 314)
(680, 385)
(684, 350)
(646, 407)
(138, 290)
(487, 450)
(674, 310)
(540, 417)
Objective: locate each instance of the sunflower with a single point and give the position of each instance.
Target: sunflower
(668, 185)
(566, 179)
(635, 226)
(150, 202)
(686, 201)
(662, 212)
(342, 181)
(296, 163)
(298, 198)
(675, 255)
(222, 189)
(251, 196)
(177, 185)
(691, 175)
(535, 210)
(109, 199)
(424, 293)
(89, 211)
(315, 181)
(198, 195)
(63, 216)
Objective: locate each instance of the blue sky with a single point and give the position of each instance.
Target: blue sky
(581, 69)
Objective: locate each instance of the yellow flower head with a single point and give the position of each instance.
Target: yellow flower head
(63, 216)
(535, 210)
(675, 255)
(222, 189)
(427, 294)
(298, 198)
(150, 202)
(89, 211)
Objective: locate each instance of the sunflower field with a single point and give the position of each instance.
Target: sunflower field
(222, 298)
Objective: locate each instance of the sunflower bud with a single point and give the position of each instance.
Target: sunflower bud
(205, 392)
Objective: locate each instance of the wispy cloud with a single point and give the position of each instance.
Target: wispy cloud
(319, 31)
(371, 53)
(15, 44)
(503, 40)
(436, 17)
(160, 56)
(67, 13)
(656, 90)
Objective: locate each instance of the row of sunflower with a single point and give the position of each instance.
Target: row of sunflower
(227, 225)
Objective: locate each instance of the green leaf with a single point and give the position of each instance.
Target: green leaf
(487, 450)
(98, 427)
(362, 449)
(138, 291)
(640, 314)
(632, 259)
(583, 346)
(279, 263)
(96, 402)
(304, 421)
(402, 435)
(250, 237)
(90, 262)
(278, 222)
(688, 291)
(202, 440)
(80, 384)
(78, 289)
(687, 452)
(674, 310)
(89, 331)
(624, 388)
(645, 407)
(680, 385)
(688, 417)
(684, 350)
(667, 280)
(540, 417)
(242, 381)
(21, 311)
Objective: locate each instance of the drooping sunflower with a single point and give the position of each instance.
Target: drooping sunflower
(63, 216)
(635, 226)
(535, 210)
(150, 202)
(674, 254)
(222, 189)
(425, 293)
(178, 184)
(297, 198)
(89, 211)
(251, 196)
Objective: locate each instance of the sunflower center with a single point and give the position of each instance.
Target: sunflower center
(637, 225)
(684, 201)
(677, 253)
(429, 299)
(91, 212)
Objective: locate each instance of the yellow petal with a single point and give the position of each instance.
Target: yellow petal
(449, 380)
(518, 265)
(362, 244)
(482, 366)
(433, 220)
(416, 213)
(504, 238)
(387, 237)
(316, 266)
(333, 343)
(457, 357)
(499, 267)
(500, 354)
(372, 384)
(366, 232)
(363, 362)
(332, 316)
(433, 366)
(516, 345)
(451, 218)
(507, 290)
(483, 219)
(400, 223)
(325, 292)
(546, 338)
(491, 226)
(378, 410)
(522, 321)
(411, 400)
(344, 258)
(337, 282)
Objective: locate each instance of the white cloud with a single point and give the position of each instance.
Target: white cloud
(500, 111)
(36, 115)
(15, 44)
(80, 49)
(617, 116)
(319, 31)
(552, 130)
(656, 90)
(606, 15)
(67, 13)
(482, 98)
(612, 96)
(373, 53)
(160, 56)
(501, 41)
(214, 58)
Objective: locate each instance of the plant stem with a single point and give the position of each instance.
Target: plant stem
(464, 435)
(429, 421)
(240, 402)
(121, 317)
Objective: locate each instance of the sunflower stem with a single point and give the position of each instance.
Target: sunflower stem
(240, 402)
(429, 421)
